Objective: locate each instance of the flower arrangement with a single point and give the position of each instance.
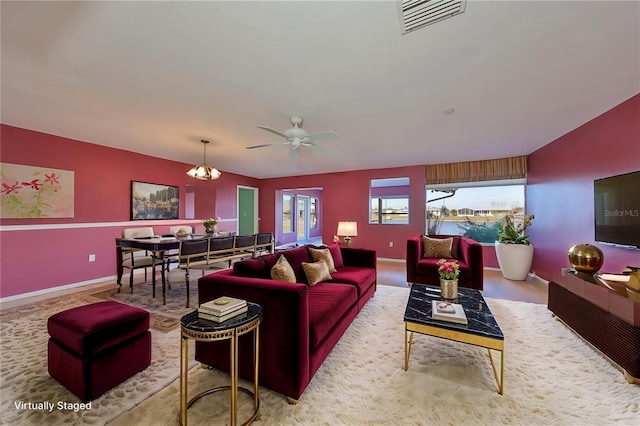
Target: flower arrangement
(209, 223)
(511, 232)
(448, 269)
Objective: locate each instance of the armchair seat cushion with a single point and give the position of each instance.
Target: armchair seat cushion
(328, 303)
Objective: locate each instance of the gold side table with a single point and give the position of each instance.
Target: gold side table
(208, 331)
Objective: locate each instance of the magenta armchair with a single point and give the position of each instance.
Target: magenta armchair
(466, 251)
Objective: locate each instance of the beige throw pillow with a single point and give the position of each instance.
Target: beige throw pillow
(316, 272)
(282, 271)
(323, 254)
(437, 247)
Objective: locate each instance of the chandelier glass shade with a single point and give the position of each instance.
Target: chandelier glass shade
(204, 172)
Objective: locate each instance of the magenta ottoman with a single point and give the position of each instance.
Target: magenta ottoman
(96, 347)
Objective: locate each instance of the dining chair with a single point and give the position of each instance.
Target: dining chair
(264, 243)
(193, 254)
(171, 256)
(132, 258)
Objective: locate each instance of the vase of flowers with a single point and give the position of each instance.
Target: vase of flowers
(513, 248)
(448, 271)
(210, 225)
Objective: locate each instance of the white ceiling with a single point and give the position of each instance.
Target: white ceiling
(156, 77)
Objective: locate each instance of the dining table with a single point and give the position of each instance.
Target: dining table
(157, 246)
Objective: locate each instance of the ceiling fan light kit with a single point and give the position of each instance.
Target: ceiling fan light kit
(204, 172)
(295, 136)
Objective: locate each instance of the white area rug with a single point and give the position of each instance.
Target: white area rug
(24, 376)
(551, 377)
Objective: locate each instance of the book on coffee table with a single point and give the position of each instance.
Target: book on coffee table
(222, 306)
(444, 311)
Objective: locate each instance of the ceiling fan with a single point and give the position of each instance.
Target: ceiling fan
(296, 136)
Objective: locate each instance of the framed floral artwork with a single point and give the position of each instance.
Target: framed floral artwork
(151, 201)
(36, 192)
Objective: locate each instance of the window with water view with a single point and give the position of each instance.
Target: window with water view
(472, 210)
(389, 201)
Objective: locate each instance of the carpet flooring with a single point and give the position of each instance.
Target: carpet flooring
(551, 377)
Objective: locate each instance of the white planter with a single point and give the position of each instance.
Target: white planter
(514, 260)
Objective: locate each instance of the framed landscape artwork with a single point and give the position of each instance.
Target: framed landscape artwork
(150, 201)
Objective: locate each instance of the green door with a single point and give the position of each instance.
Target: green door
(246, 211)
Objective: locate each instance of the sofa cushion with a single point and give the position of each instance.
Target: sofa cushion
(251, 268)
(282, 271)
(316, 272)
(323, 254)
(436, 247)
(336, 255)
(295, 257)
(328, 303)
(362, 278)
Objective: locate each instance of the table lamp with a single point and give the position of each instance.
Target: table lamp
(347, 230)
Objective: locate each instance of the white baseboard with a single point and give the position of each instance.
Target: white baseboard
(57, 289)
(532, 275)
(388, 259)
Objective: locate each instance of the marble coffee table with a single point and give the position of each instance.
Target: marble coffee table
(482, 329)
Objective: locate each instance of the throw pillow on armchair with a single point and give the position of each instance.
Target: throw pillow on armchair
(437, 247)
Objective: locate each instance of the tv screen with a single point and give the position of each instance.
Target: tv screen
(617, 209)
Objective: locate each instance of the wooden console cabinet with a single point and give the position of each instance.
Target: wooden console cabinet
(602, 315)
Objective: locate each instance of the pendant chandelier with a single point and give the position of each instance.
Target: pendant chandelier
(204, 172)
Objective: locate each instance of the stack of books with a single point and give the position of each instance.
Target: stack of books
(222, 309)
(444, 311)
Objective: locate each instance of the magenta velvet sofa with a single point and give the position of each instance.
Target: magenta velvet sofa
(301, 323)
(466, 251)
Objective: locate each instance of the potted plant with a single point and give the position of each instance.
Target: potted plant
(448, 271)
(513, 248)
(210, 225)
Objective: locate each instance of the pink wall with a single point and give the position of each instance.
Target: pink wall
(560, 187)
(559, 193)
(60, 247)
(345, 196)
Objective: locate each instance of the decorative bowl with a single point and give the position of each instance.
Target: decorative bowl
(586, 258)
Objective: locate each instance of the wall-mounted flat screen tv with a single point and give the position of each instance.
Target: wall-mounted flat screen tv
(617, 209)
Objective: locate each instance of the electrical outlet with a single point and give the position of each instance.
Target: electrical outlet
(390, 243)
(92, 258)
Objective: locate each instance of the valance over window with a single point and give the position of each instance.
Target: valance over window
(477, 171)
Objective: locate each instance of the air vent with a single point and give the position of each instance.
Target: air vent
(416, 14)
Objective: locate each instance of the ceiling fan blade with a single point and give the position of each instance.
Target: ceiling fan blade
(267, 144)
(275, 132)
(322, 135)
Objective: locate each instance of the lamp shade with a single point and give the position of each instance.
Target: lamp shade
(204, 172)
(347, 229)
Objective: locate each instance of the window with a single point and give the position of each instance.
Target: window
(287, 224)
(472, 209)
(313, 216)
(389, 201)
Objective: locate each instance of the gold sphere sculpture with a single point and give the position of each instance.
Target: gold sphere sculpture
(586, 258)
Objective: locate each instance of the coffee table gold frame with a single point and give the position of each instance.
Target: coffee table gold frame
(458, 336)
(231, 334)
